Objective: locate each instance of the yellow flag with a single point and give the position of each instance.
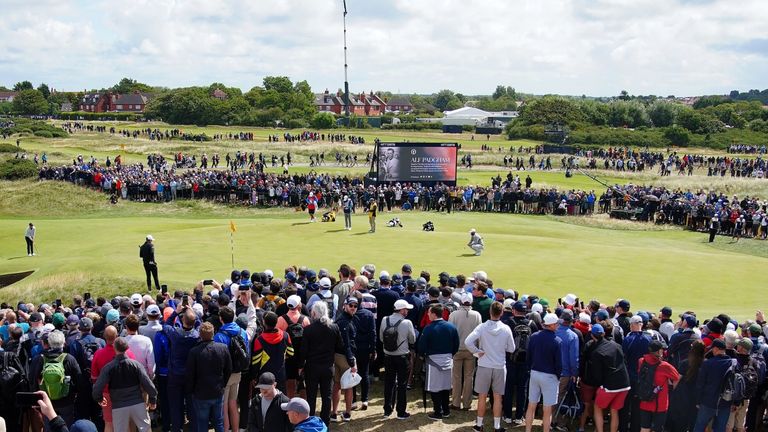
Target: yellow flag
(232, 226)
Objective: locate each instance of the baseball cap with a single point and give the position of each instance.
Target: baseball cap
(406, 268)
(150, 238)
(745, 343)
(690, 320)
(350, 300)
(508, 304)
(242, 321)
(715, 325)
(718, 343)
(597, 330)
(624, 304)
(58, 319)
(397, 277)
(90, 303)
(602, 315)
(666, 311)
(293, 301)
(402, 304)
(113, 315)
(270, 274)
(644, 315)
(325, 282)
(466, 299)
(636, 319)
(290, 276)
(421, 282)
(585, 318)
(570, 299)
(656, 345)
(297, 405)
(266, 381)
(136, 299)
(453, 282)
(72, 320)
(153, 310)
(520, 306)
(433, 292)
(499, 291)
(550, 319)
(383, 275)
(755, 330)
(85, 324)
(538, 308)
(567, 315)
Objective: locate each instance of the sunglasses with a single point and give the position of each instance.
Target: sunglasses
(352, 305)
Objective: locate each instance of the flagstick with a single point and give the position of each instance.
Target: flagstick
(232, 247)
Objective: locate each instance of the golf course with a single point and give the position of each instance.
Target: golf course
(85, 244)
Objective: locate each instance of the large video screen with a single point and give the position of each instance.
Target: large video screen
(417, 162)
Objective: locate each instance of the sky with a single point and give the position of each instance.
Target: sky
(574, 47)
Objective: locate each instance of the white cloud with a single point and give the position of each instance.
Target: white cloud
(595, 47)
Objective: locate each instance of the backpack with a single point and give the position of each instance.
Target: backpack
(295, 330)
(646, 388)
(391, 335)
(10, 379)
(238, 353)
(54, 380)
(89, 349)
(734, 384)
(521, 334)
(751, 379)
(329, 302)
(759, 364)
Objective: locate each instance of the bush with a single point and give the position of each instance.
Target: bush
(414, 126)
(9, 148)
(43, 134)
(110, 116)
(323, 120)
(17, 169)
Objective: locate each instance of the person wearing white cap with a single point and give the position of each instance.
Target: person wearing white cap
(147, 255)
(544, 358)
(476, 242)
(465, 319)
(153, 322)
(325, 294)
(293, 322)
(348, 206)
(312, 206)
(397, 335)
(490, 342)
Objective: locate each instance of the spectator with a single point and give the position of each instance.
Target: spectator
(56, 423)
(365, 349)
(481, 303)
(207, 373)
(299, 415)
(438, 343)
(180, 342)
(227, 331)
(653, 413)
(490, 342)
(682, 402)
(293, 323)
(322, 340)
(606, 370)
(517, 370)
(101, 358)
(270, 350)
(57, 373)
(127, 379)
(84, 350)
(709, 384)
(397, 336)
(749, 368)
(635, 346)
(544, 359)
(141, 346)
(265, 407)
(569, 349)
(465, 319)
(153, 324)
(680, 342)
(346, 359)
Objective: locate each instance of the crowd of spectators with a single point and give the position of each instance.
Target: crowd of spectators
(265, 352)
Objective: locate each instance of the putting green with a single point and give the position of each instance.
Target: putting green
(531, 254)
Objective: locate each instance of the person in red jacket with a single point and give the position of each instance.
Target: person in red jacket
(653, 413)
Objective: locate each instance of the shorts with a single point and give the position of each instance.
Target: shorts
(543, 386)
(106, 410)
(312, 212)
(657, 420)
(613, 400)
(340, 366)
(588, 393)
(737, 417)
(233, 385)
(490, 378)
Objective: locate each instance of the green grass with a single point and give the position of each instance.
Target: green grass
(97, 250)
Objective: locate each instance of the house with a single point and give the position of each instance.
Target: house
(96, 102)
(131, 102)
(327, 102)
(399, 104)
(7, 96)
(66, 107)
(372, 104)
(219, 94)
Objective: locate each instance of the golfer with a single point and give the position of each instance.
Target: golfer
(372, 207)
(147, 255)
(476, 242)
(29, 236)
(348, 207)
(311, 206)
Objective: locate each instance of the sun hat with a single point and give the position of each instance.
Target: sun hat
(402, 304)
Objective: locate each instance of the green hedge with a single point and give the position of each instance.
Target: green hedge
(111, 116)
(9, 148)
(17, 169)
(413, 126)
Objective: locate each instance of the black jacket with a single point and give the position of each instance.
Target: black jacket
(147, 252)
(319, 344)
(208, 369)
(276, 418)
(606, 366)
(71, 368)
(348, 329)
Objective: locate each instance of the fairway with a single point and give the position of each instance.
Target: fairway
(531, 254)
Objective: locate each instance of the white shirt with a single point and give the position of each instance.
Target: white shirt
(30, 233)
(143, 350)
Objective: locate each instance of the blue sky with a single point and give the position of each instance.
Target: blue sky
(593, 47)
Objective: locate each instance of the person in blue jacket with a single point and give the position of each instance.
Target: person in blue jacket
(298, 414)
(709, 384)
(180, 342)
(228, 330)
(635, 346)
(438, 343)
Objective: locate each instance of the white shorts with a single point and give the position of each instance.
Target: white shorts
(543, 385)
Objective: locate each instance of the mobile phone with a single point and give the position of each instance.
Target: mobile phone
(27, 399)
(86, 296)
(58, 303)
(164, 289)
(208, 282)
(185, 300)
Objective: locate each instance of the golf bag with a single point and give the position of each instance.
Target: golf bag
(429, 226)
(329, 216)
(395, 222)
(570, 408)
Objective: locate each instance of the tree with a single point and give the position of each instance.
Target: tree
(128, 85)
(550, 110)
(323, 120)
(30, 102)
(23, 85)
(280, 84)
(624, 95)
(677, 136)
(446, 100)
(662, 114)
(44, 90)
